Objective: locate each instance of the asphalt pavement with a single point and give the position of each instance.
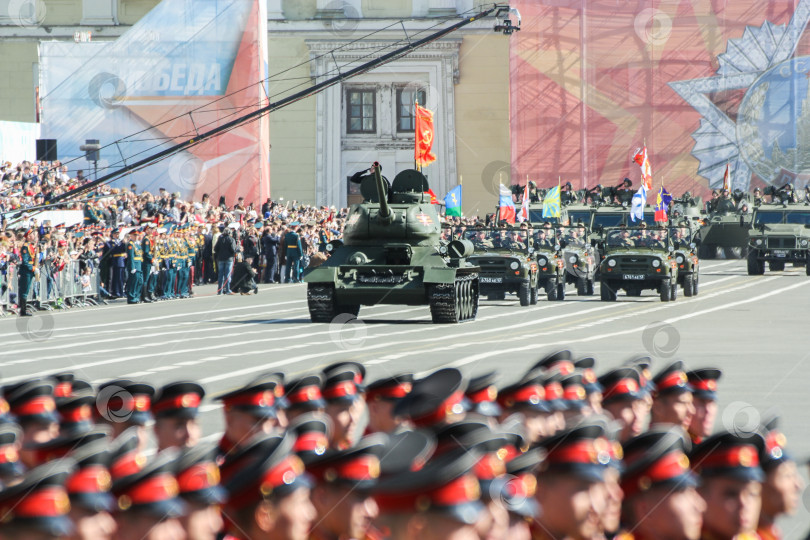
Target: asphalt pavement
(753, 328)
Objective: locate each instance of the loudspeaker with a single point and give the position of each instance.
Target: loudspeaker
(46, 150)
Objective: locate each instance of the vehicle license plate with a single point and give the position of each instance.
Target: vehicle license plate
(491, 279)
(780, 252)
(633, 276)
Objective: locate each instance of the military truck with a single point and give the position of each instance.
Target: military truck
(506, 260)
(780, 234)
(550, 265)
(637, 259)
(725, 228)
(686, 257)
(580, 258)
(392, 253)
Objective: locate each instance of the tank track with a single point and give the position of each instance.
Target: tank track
(454, 302)
(320, 299)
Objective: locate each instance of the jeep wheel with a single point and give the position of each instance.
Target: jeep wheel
(674, 294)
(696, 277)
(525, 294)
(689, 285)
(807, 266)
(551, 290)
(561, 291)
(666, 291)
(755, 266)
(776, 266)
(606, 292)
(582, 286)
(533, 296)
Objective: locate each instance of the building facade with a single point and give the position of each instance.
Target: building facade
(318, 142)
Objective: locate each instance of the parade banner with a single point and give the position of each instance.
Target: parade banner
(184, 68)
(701, 84)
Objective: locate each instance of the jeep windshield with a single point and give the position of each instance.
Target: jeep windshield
(573, 236)
(681, 234)
(797, 218)
(614, 220)
(768, 217)
(499, 239)
(637, 237)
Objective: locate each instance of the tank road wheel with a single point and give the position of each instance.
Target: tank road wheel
(776, 266)
(582, 286)
(533, 295)
(454, 302)
(589, 287)
(666, 291)
(732, 253)
(525, 294)
(606, 292)
(561, 290)
(551, 290)
(755, 266)
(322, 304)
(689, 285)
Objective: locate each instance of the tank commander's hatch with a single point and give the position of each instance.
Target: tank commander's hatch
(368, 188)
(410, 180)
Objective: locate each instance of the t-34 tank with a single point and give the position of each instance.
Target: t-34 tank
(392, 253)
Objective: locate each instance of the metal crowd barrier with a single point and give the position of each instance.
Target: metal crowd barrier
(64, 290)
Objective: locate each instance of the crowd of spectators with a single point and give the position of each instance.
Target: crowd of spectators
(259, 228)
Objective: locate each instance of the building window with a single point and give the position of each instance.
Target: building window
(405, 108)
(361, 111)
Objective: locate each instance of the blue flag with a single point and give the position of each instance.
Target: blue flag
(551, 203)
(452, 202)
(639, 202)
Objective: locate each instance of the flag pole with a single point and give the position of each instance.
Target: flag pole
(415, 135)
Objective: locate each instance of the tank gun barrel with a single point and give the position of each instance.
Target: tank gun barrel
(386, 216)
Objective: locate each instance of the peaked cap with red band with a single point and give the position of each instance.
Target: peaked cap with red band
(583, 450)
(62, 384)
(76, 413)
(518, 493)
(390, 388)
(305, 393)
(153, 489)
(589, 379)
(341, 386)
(131, 400)
(482, 395)
(657, 458)
(40, 502)
(357, 368)
(357, 467)
(198, 478)
(89, 485)
(258, 397)
(528, 392)
(704, 382)
(732, 455)
(620, 384)
(434, 398)
(775, 452)
(574, 392)
(562, 361)
(33, 402)
(67, 443)
(312, 432)
(178, 400)
(672, 380)
(10, 465)
(446, 485)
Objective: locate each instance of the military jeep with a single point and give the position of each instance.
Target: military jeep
(780, 234)
(507, 263)
(636, 259)
(686, 257)
(550, 264)
(580, 258)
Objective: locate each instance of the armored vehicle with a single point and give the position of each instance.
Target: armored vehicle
(781, 234)
(686, 257)
(635, 259)
(725, 228)
(580, 258)
(392, 253)
(550, 265)
(506, 260)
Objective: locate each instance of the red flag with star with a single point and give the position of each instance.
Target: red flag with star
(423, 136)
(646, 169)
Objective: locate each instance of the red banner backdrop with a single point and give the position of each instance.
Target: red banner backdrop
(593, 80)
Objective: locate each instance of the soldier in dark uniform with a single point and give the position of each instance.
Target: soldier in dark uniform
(134, 268)
(183, 264)
(624, 193)
(89, 489)
(672, 400)
(345, 404)
(435, 400)
(269, 496)
(27, 270)
(381, 398)
(758, 200)
(623, 398)
(175, 409)
(731, 484)
(623, 239)
(33, 405)
(660, 500)
(725, 203)
(342, 494)
(198, 483)
(118, 265)
(148, 247)
(270, 242)
(704, 391)
(783, 485)
(292, 254)
(169, 257)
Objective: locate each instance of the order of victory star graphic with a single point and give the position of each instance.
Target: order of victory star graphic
(771, 134)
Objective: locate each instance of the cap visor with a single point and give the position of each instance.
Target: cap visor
(467, 513)
(170, 508)
(96, 502)
(210, 496)
(486, 408)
